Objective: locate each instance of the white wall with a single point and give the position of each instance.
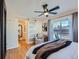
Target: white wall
(35, 27)
(12, 33)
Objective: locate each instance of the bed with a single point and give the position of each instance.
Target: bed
(69, 52)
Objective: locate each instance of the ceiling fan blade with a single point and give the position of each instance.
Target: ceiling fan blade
(39, 11)
(53, 12)
(55, 8)
(40, 14)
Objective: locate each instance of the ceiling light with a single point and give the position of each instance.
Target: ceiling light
(46, 13)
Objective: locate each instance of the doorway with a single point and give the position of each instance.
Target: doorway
(23, 33)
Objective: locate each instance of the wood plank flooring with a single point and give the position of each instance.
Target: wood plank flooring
(18, 53)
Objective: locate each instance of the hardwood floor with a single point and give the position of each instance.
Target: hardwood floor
(18, 53)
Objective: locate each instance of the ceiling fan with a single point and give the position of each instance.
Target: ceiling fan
(47, 11)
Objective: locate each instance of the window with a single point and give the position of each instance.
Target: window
(60, 28)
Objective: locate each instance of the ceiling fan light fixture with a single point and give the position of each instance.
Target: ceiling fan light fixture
(46, 13)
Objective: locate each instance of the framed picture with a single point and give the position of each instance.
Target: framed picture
(44, 26)
(20, 31)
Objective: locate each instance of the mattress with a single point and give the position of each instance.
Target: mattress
(70, 52)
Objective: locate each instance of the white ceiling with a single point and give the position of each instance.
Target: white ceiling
(26, 8)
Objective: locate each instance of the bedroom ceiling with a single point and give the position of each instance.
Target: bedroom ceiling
(25, 8)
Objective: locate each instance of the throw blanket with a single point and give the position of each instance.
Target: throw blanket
(50, 48)
(37, 48)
